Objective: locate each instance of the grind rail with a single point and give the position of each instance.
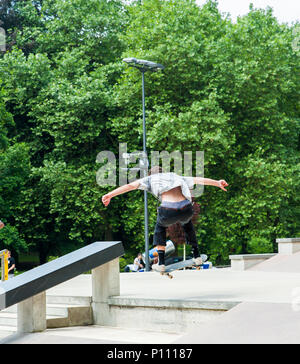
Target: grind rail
(28, 290)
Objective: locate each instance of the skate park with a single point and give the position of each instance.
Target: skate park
(93, 96)
(256, 300)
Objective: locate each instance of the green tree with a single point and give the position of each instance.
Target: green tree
(230, 90)
(59, 79)
(15, 16)
(14, 174)
(14, 168)
(6, 123)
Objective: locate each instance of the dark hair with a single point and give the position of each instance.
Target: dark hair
(155, 170)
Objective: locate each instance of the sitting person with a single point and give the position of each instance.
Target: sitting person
(137, 265)
(138, 262)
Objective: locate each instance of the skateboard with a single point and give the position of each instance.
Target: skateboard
(180, 265)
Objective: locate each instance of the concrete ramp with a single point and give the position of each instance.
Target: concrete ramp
(250, 323)
(280, 263)
(259, 319)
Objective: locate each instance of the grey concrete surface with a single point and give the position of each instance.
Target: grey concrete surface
(105, 283)
(250, 323)
(269, 311)
(215, 285)
(93, 335)
(288, 246)
(245, 261)
(280, 263)
(32, 314)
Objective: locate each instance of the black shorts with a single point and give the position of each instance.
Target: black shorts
(168, 216)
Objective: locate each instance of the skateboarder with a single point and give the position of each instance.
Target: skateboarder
(176, 206)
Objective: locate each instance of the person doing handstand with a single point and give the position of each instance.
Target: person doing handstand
(176, 206)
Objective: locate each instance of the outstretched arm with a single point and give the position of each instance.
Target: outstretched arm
(1, 224)
(118, 191)
(211, 182)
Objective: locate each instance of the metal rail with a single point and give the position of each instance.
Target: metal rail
(48, 275)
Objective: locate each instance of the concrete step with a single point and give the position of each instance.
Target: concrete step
(58, 315)
(57, 310)
(51, 309)
(76, 316)
(69, 300)
(59, 301)
(8, 329)
(57, 322)
(10, 319)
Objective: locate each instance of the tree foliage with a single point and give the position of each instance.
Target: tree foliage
(228, 89)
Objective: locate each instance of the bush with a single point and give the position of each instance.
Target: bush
(260, 245)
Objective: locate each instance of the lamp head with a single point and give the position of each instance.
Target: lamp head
(143, 65)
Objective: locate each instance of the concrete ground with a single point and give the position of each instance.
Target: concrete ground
(93, 335)
(214, 285)
(269, 309)
(250, 323)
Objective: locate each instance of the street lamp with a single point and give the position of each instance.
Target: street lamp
(144, 66)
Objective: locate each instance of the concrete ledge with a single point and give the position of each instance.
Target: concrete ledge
(288, 246)
(288, 240)
(245, 261)
(171, 303)
(164, 314)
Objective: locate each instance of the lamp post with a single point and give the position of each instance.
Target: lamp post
(144, 66)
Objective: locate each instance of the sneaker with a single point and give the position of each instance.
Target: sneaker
(158, 268)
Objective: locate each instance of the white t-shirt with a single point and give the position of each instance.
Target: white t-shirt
(136, 264)
(162, 182)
